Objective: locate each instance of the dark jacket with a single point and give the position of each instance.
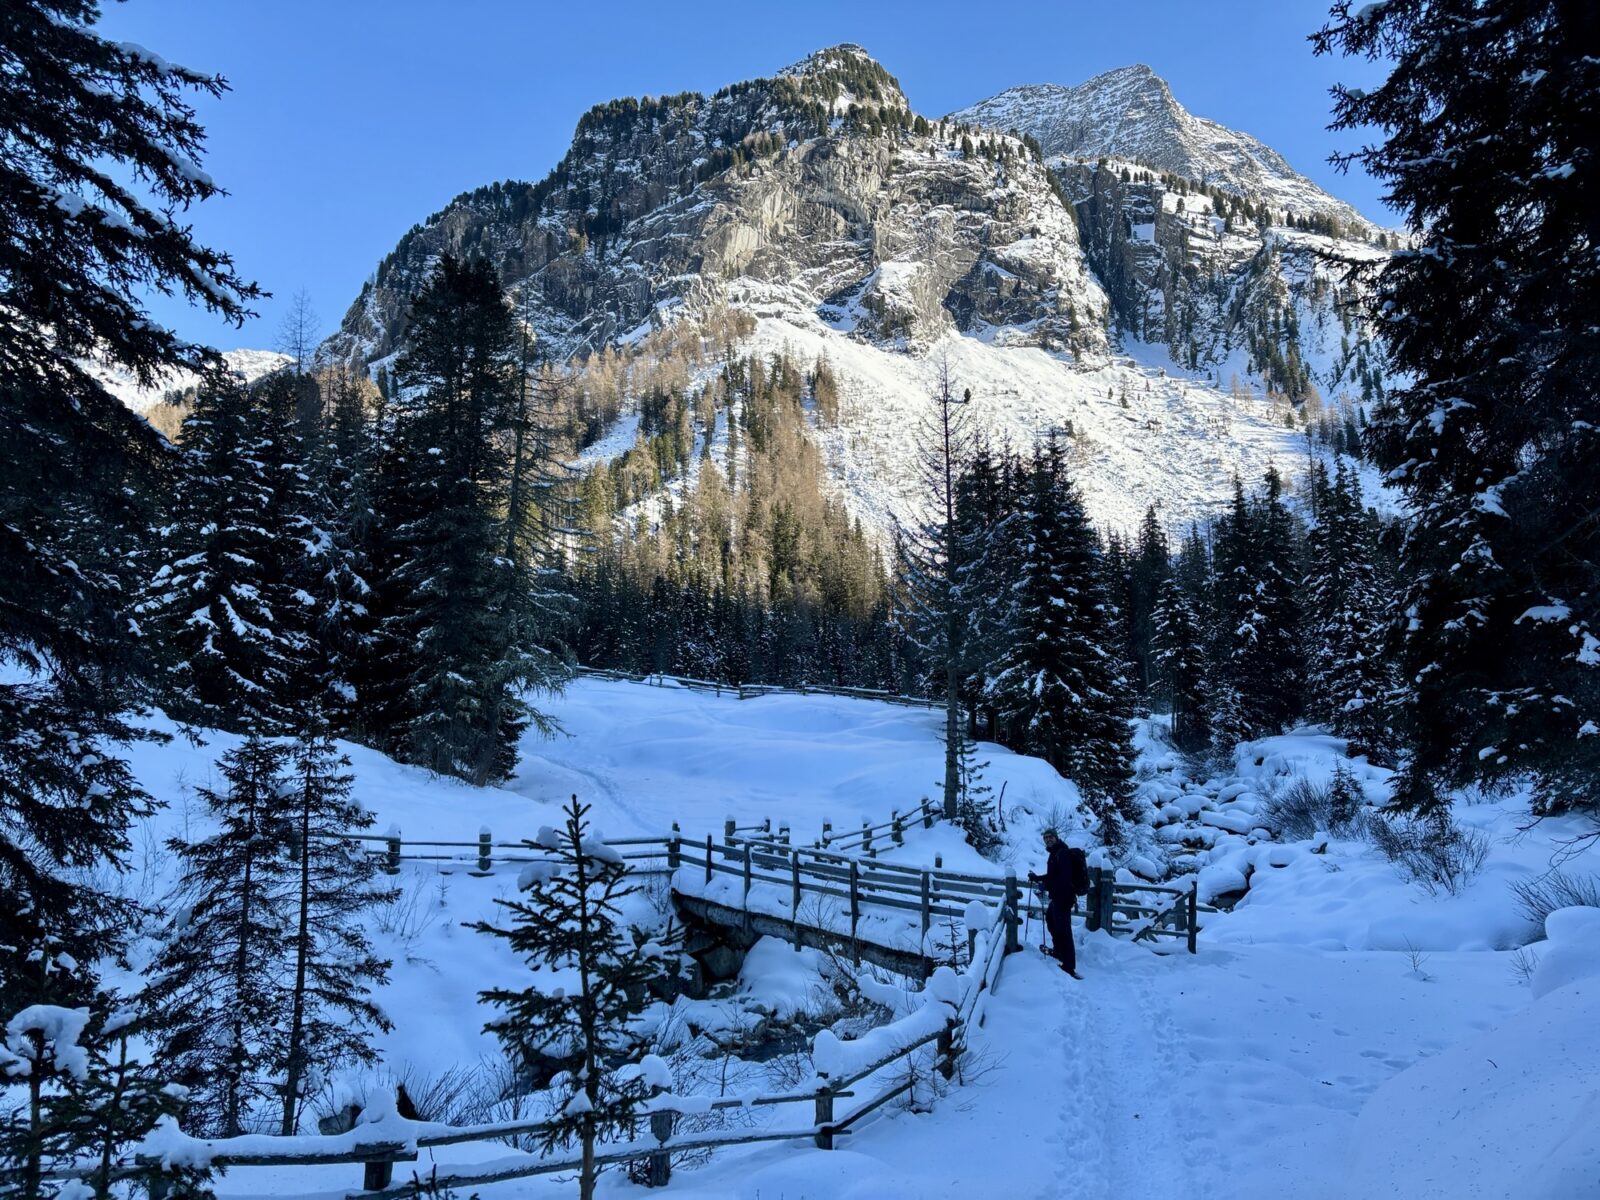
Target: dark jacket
(1057, 877)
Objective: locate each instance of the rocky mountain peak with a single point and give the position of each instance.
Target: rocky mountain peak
(846, 74)
(1131, 114)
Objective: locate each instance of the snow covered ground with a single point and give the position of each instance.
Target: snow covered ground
(1341, 1032)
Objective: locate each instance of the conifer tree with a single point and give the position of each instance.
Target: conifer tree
(332, 965)
(339, 564)
(1148, 570)
(225, 605)
(457, 650)
(101, 143)
(1178, 647)
(1061, 683)
(1350, 677)
(570, 919)
(221, 980)
(89, 1096)
(1486, 122)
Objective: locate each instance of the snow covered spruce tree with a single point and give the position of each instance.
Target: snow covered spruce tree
(86, 1096)
(1179, 660)
(1350, 679)
(220, 982)
(333, 968)
(935, 611)
(339, 564)
(1061, 685)
(585, 1017)
(1487, 120)
(459, 632)
(1256, 666)
(98, 144)
(227, 608)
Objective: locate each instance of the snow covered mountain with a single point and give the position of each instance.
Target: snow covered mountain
(249, 364)
(817, 202)
(1131, 114)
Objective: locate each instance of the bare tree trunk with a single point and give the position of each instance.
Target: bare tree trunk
(302, 952)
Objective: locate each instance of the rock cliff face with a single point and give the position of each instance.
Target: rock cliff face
(816, 188)
(1222, 288)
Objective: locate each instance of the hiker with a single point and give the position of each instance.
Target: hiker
(1066, 876)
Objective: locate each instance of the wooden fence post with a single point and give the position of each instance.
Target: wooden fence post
(866, 839)
(827, 833)
(391, 864)
(938, 862)
(1012, 902)
(727, 832)
(747, 875)
(674, 850)
(897, 829)
(824, 1118)
(485, 850)
(927, 907)
(944, 1051)
(660, 1160)
(927, 814)
(855, 909)
(783, 832)
(709, 852)
(766, 826)
(1091, 902)
(1108, 900)
(1193, 912)
(375, 1176)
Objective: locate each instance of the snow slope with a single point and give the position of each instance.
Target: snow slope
(249, 364)
(1138, 436)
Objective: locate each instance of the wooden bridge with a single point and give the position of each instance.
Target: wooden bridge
(837, 894)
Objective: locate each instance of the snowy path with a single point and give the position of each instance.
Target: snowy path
(1123, 1134)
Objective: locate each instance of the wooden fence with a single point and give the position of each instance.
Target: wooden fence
(398, 1141)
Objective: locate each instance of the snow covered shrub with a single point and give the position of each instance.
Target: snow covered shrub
(1438, 856)
(1304, 809)
(1541, 896)
(1298, 811)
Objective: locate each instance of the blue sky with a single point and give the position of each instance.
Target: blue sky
(351, 120)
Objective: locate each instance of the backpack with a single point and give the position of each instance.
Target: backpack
(1078, 870)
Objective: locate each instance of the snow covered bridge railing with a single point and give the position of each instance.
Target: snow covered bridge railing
(885, 913)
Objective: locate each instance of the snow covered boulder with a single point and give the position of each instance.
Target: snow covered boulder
(1574, 950)
(1512, 1112)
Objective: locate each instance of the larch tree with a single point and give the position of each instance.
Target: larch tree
(928, 550)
